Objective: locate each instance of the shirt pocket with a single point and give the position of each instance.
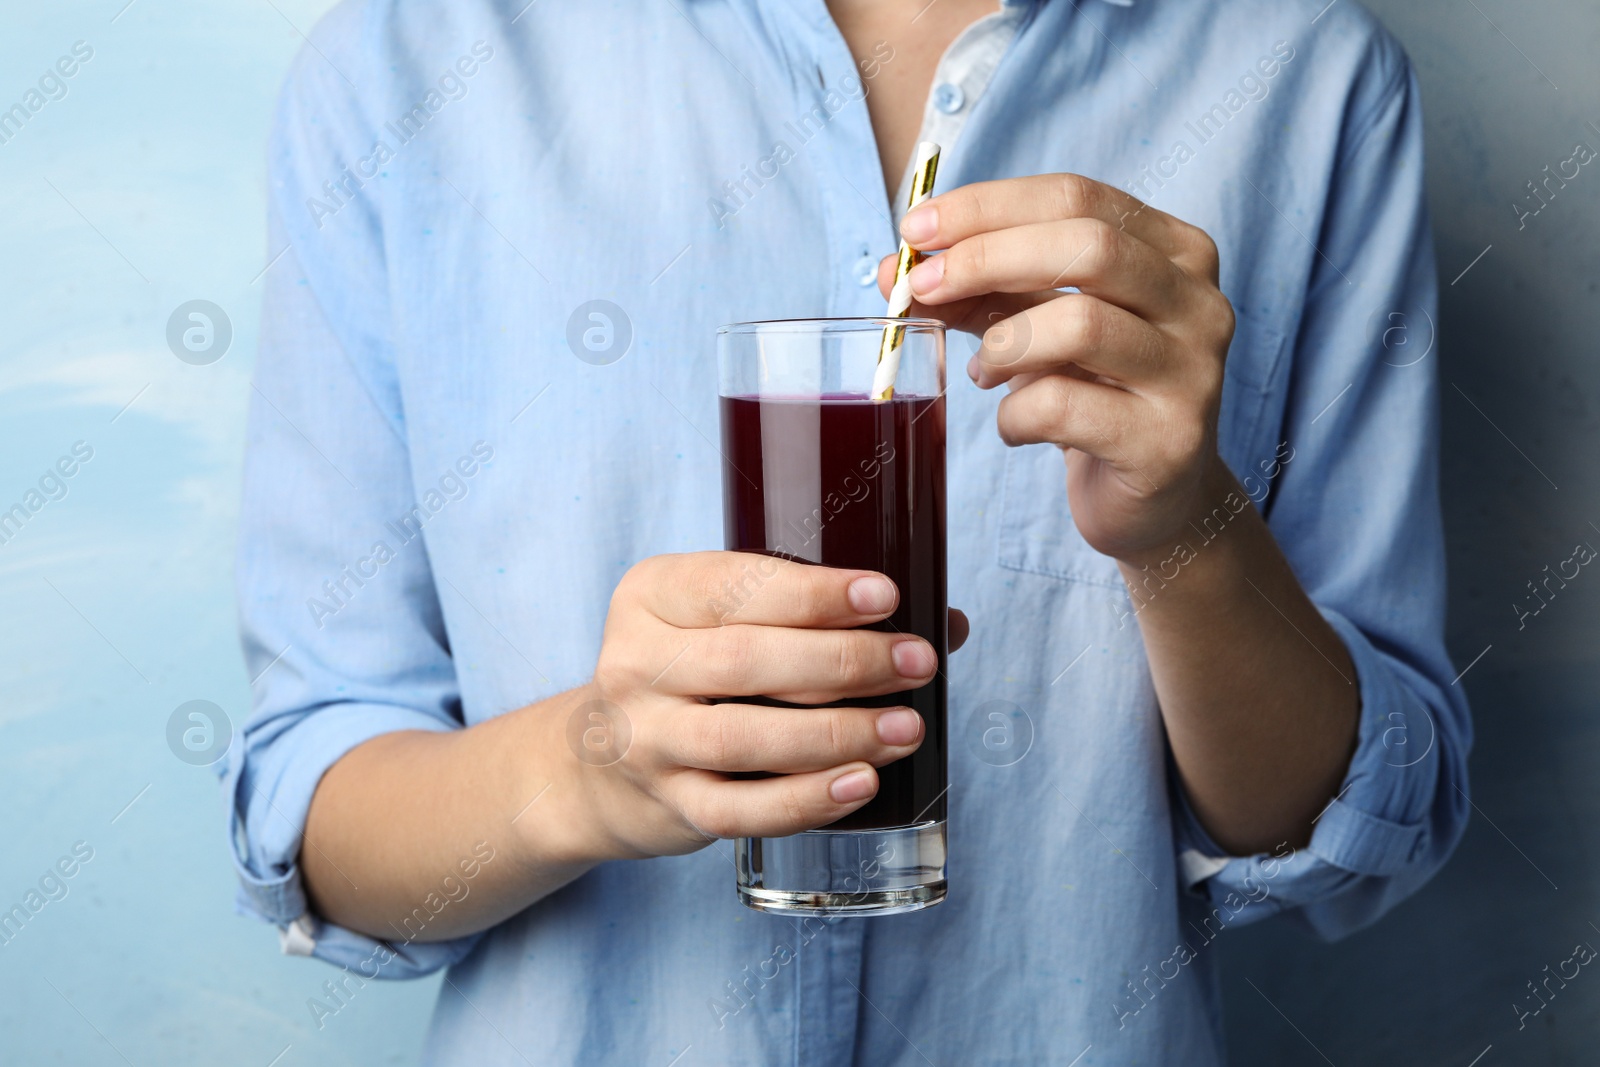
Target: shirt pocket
(1037, 534)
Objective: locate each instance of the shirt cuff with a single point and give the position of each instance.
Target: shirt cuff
(1377, 825)
(272, 776)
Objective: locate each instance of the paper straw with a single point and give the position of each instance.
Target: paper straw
(922, 174)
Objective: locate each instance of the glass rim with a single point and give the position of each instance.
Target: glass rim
(838, 324)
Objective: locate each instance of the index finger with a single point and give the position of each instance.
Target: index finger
(983, 207)
(704, 589)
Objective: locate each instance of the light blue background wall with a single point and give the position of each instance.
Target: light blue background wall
(1507, 89)
(159, 145)
(117, 600)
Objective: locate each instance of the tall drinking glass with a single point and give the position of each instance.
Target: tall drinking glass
(817, 472)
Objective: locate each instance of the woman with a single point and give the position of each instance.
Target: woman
(481, 491)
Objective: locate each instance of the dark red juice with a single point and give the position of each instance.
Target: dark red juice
(846, 482)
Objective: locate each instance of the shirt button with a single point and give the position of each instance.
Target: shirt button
(949, 98)
(867, 270)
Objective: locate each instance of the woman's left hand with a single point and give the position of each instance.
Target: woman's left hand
(1124, 375)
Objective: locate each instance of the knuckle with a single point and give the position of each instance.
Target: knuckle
(704, 584)
(972, 260)
(1055, 398)
(974, 206)
(816, 592)
(1071, 194)
(634, 581)
(839, 734)
(715, 817)
(1125, 206)
(711, 740)
(1225, 318)
(1009, 420)
(852, 661)
(793, 807)
(1086, 324)
(1099, 245)
(731, 661)
(1038, 412)
(1203, 249)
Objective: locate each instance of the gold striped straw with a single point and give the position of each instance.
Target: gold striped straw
(922, 175)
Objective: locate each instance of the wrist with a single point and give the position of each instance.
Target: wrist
(554, 816)
(1217, 504)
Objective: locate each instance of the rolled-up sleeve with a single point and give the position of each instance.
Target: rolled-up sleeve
(1356, 508)
(341, 626)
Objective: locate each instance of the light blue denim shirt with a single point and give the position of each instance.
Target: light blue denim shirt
(441, 494)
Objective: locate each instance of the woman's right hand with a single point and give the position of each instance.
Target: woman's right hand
(655, 758)
(639, 762)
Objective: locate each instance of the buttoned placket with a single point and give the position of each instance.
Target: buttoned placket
(959, 82)
(860, 221)
(860, 226)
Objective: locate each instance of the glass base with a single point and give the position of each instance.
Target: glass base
(843, 872)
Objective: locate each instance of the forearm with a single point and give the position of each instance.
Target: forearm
(394, 821)
(1257, 691)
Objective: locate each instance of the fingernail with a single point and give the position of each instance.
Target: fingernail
(872, 595)
(973, 367)
(857, 785)
(920, 225)
(926, 276)
(899, 727)
(914, 659)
